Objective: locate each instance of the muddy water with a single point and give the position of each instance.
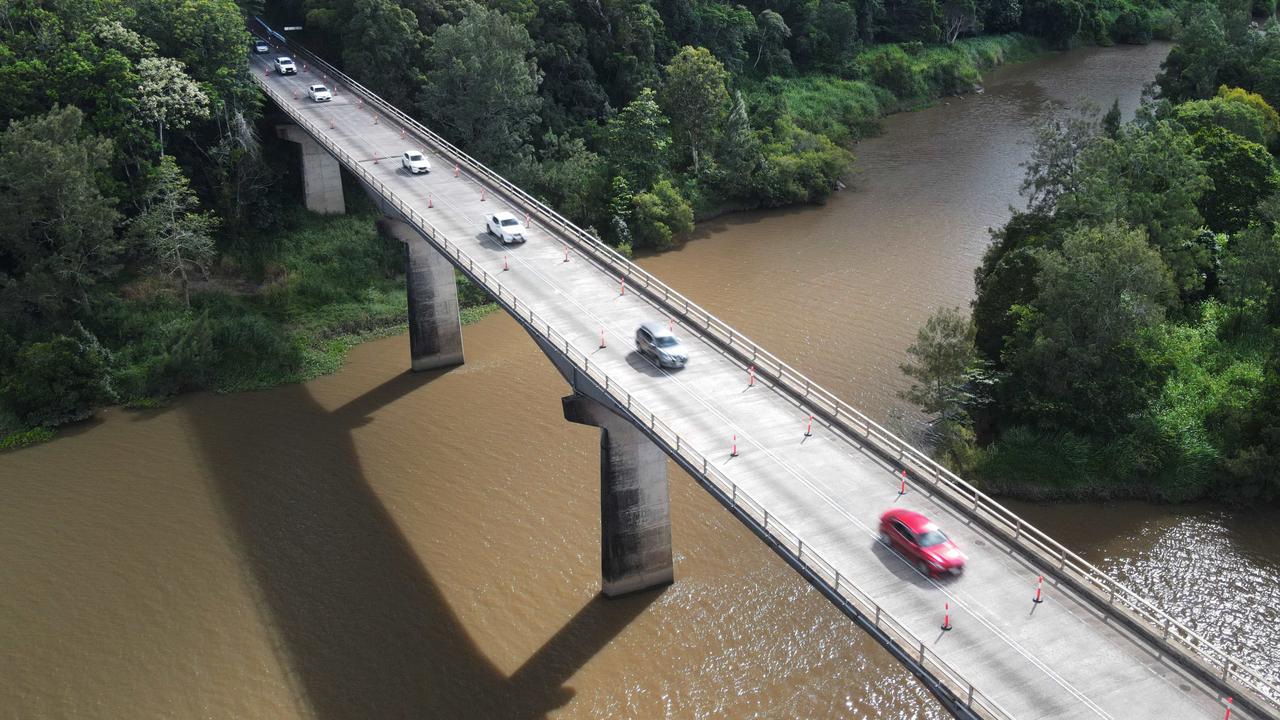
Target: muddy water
(379, 544)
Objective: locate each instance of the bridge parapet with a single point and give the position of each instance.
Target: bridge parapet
(1212, 664)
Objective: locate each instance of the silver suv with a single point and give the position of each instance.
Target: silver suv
(656, 341)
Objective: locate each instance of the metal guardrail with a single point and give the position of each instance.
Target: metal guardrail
(1158, 626)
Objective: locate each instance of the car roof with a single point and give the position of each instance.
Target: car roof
(319, 87)
(914, 521)
(284, 58)
(656, 329)
(412, 152)
(504, 216)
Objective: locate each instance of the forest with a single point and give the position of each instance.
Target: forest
(1125, 338)
(153, 243)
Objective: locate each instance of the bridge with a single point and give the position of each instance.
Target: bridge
(807, 473)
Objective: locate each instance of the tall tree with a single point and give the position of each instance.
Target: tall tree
(167, 97)
(1075, 359)
(483, 85)
(179, 237)
(58, 237)
(772, 33)
(694, 97)
(639, 140)
(939, 363)
(381, 43)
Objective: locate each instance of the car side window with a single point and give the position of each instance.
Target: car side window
(644, 335)
(902, 529)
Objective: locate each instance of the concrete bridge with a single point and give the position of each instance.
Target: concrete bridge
(1093, 648)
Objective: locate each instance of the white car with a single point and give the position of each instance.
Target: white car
(319, 93)
(261, 46)
(505, 227)
(285, 66)
(415, 162)
(655, 340)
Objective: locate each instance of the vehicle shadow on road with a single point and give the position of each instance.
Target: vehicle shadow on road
(358, 621)
(642, 364)
(899, 565)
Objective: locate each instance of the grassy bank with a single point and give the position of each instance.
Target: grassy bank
(334, 283)
(888, 78)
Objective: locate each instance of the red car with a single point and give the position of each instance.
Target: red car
(921, 542)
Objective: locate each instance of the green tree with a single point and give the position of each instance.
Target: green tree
(1149, 177)
(772, 33)
(661, 214)
(179, 238)
(940, 362)
(724, 29)
(1112, 120)
(168, 97)
(738, 155)
(639, 140)
(1194, 64)
(57, 241)
(381, 43)
(1240, 118)
(482, 86)
(1076, 360)
(1243, 173)
(694, 96)
(60, 381)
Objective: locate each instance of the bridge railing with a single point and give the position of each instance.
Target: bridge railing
(1157, 625)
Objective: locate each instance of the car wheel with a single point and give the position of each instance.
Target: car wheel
(884, 538)
(924, 569)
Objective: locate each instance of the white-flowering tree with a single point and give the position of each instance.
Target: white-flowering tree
(179, 237)
(168, 96)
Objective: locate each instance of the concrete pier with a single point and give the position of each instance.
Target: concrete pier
(321, 173)
(635, 507)
(435, 324)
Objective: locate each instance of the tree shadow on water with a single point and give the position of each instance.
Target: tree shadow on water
(358, 619)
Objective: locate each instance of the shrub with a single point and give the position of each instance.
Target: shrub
(659, 215)
(60, 381)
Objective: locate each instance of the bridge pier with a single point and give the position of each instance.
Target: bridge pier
(435, 324)
(321, 173)
(635, 507)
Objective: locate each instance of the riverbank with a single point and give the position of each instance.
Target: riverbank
(333, 283)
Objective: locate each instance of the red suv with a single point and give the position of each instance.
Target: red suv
(921, 542)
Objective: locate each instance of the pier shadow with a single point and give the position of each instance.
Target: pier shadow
(358, 622)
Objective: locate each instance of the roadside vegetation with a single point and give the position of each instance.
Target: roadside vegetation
(1125, 339)
(152, 241)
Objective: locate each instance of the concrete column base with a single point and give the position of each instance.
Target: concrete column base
(321, 174)
(435, 323)
(635, 507)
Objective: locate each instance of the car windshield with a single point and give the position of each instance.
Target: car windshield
(509, 222)
(415, 156)
(665, 341)
(929, 538)
(320, 88)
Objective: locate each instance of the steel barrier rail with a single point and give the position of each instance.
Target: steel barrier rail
(671, 442)
(1104, 589)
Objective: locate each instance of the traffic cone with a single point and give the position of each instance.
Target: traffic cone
(430, 204)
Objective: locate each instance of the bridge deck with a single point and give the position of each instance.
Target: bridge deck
(1061, 659)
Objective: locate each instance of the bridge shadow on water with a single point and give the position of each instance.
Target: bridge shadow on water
(358, 621)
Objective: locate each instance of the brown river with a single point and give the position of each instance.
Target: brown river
(376, 544)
